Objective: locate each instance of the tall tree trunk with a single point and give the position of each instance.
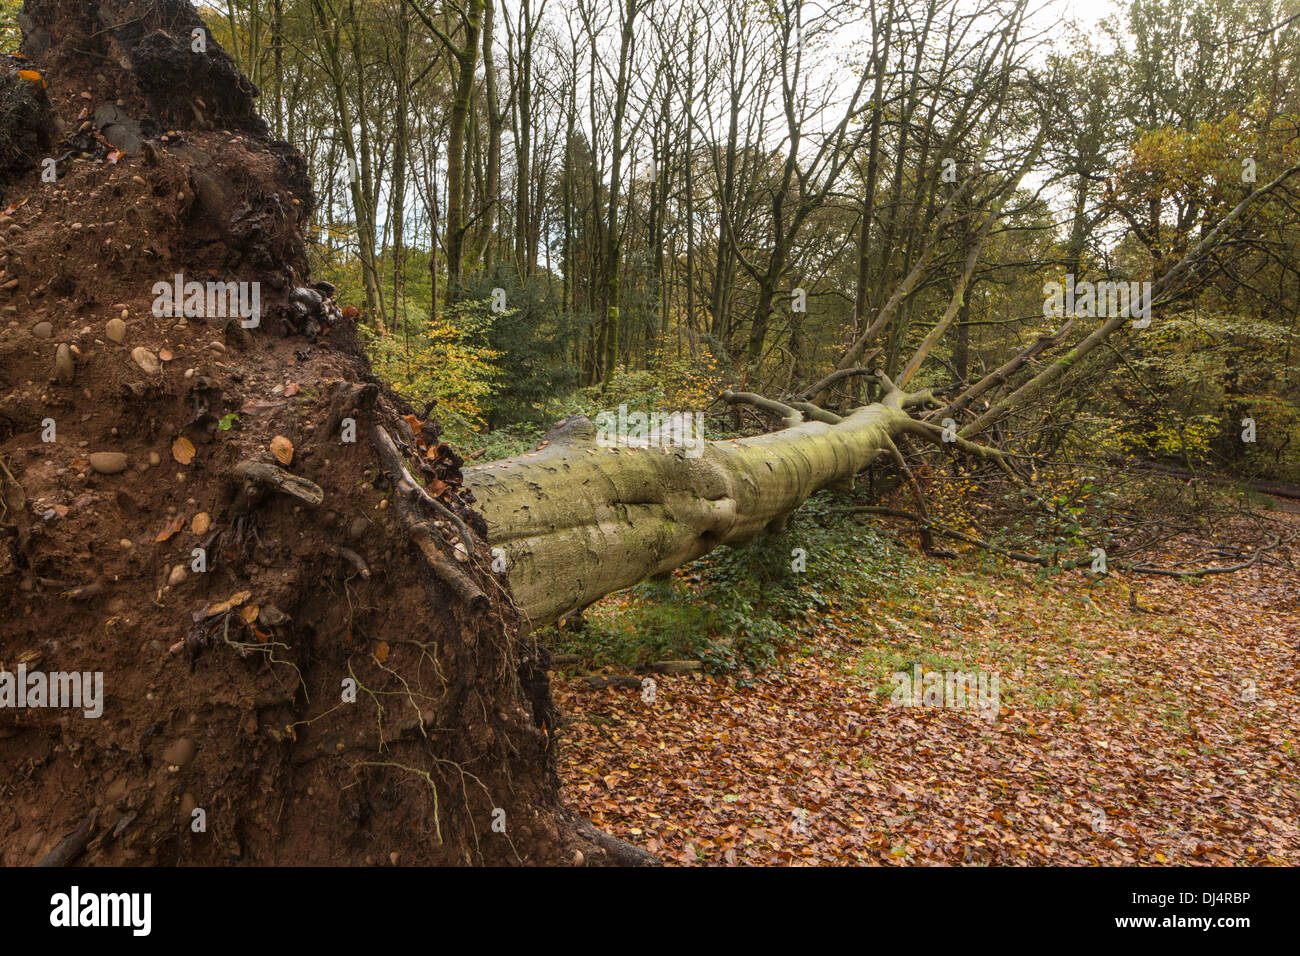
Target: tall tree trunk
(524, 243)
(613, 250)
(369, 186)
(433, 243)
(277, 50)
(861, 306)
(492, 177)
(328, 33)
(465, 60)
(401, 147)
(689, 157)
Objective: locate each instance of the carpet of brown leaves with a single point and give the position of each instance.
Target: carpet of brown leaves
(1166, 735)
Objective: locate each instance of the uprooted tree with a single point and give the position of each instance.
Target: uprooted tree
(265, 555)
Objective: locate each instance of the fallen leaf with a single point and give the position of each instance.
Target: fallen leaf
(282, 449)
(381, 652)
(183, 450)
(172, 527)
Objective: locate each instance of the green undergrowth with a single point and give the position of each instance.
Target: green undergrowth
(640, 391)
(739, 608)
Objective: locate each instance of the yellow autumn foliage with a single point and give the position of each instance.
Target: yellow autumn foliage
(444, 362)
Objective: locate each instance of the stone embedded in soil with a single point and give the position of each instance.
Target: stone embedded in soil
(108, 462)
(115, 330)
(65, 370)
(179, 752)
(201, 523)
(43, 330)
(177, 575)
(146, 360)
(271, 616)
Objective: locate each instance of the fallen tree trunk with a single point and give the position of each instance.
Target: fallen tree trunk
(1279, 489)
(578, 520)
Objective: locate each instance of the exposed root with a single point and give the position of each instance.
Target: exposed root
(407, 486)
(273, 476)
(70, 847)
(409, 498)
(352, 558)
(443, 566)
(349, 401)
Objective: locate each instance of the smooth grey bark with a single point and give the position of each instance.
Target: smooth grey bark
(577, 521)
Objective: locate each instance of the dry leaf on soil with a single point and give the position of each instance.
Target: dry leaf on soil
(183, 450)
(282, 449)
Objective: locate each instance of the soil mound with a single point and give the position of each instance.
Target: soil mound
(301, 661)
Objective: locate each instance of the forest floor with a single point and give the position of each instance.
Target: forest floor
(1168, 734)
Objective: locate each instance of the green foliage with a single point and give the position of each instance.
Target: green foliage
(736, 608)
(505, 442)
(677, 385)
(445, 360)
(1202, 373)
(531, 340)
(10, 34)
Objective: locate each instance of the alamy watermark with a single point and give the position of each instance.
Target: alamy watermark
(208, 300)
(666, 430)
(953, 690)
(75, 909)
(73, 690)
(1105, 299)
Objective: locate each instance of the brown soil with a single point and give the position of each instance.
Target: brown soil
(201, 709)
